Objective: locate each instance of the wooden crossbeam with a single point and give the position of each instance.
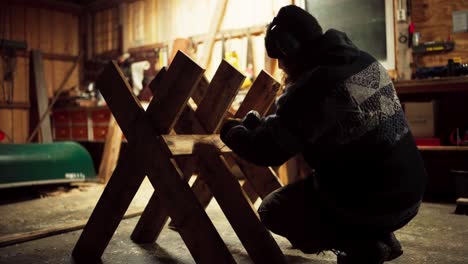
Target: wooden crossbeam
(262, 179)
(204, 120)
(146, 147)
(256, 239)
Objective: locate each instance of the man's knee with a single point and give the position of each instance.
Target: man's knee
(271, 212)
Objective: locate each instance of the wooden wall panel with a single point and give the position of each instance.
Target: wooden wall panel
(433, 19)
(60, 34)
(6, 122)
(60, 70)
(18, 21)
(32, 26)
(52, 31)
(49, 76)
(21, 127)
(21, 90)
(46, 31)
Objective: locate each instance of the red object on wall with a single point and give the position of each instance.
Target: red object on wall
(2, 135)
(427, 141)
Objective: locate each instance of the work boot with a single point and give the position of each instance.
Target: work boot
(385, 249)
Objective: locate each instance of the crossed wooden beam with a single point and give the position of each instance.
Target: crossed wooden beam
(153, 154)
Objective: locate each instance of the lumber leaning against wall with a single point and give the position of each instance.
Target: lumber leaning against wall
(53, 31)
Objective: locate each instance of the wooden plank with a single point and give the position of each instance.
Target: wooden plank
(256, 239)
(194, 226)
(263, 179)
(462, 201)
(442, 85)
(49, 76)
(168, 99)
(147, 228)
(17, 238)
(249, 191)
(45, 116)
(261, 95)
(201, 191)
(111, 152)
(226, 83)
(155, 84)
(443, 148)
(200, 90)
(127, 176)
(41, 95)
(181, 145)
(215, 25)
(112, 81)
(188, 123)
(114, 201)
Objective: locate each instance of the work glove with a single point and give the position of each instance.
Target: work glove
(251, 120)
(228, 125)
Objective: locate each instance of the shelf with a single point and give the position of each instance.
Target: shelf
(14, 105)
(436, 85)
(444, 148)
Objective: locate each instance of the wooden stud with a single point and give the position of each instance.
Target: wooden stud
(111, 152)
(226, 81)
(42, 101)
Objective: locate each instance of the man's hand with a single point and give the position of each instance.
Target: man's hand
(251, 120)
(230, 123)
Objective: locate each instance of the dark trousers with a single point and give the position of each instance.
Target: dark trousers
(296, 212)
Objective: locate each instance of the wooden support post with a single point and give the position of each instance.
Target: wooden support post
(256, 239)
(111, 151)
(141, 130)
(39, 100)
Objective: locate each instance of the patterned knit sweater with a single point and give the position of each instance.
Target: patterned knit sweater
(345, 118)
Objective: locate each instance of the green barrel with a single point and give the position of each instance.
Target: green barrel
(33, 164)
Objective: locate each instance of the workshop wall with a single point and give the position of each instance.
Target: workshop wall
(56, 34)
(433, 19)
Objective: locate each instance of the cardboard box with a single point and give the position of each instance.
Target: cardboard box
(421, 118)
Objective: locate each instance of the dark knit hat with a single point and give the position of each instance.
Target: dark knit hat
(290, 32)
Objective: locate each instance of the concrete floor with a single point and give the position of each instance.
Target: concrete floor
(436, 235)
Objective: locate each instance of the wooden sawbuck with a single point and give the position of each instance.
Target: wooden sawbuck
(171, 141)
